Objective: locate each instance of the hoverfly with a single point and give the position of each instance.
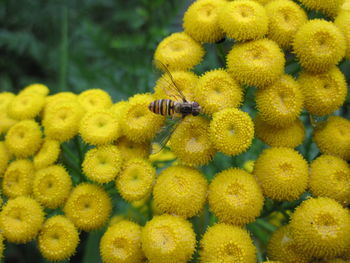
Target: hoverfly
(177, 109)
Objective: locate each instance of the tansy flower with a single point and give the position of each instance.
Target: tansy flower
(342, 21)
(18, 178)
(285, 18)
(290, 136)
(21, 219)
(324, 92)
(60, 98)
(136, 179)
(333, 137)
(24, 138)
(58, 238)
(201, 21)
(257, 63)
(282, 173)
(88, 206)
(330, 177)
(336, 260)
(99, 127)
(179, 52)
(5, 100)
(118, 108)
(115, 219)
(280, 104)
(6, 122)
(122, 243)
(263, 2)
(102, 164)
(48, 153)
(217, 90)
(243, 20)
(191, 143)
(130, 150)
(4, 158)
(36, 88)
(180, 190)
(283, 247)
(321, 227)
(319, 45)
(235, 197)
(231, 131)
(94, 99)
(248, 166)
(168, 238)
(330, 8)
(26, 105)
(51, 186)
(223, 243)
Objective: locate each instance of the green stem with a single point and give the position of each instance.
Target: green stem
(221, 54)
(267, 226)
(64, 49)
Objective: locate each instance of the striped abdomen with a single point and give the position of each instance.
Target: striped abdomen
(163, 107)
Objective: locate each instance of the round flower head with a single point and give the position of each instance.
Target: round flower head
(235, 197)
(136, 180)
(58, 238)
(130, 150)
(263, 2)
(217, 90)
(36, 88)
(102, 164)
(94, 99)
(243, 20)
(201, 21)
(21, 219)
(342, 21)
(59, 98)
(6, 122)
(51, 186)
(330, 8)
(223, 243)
(282, 173)
(99, 127)
(231, 131)
(121, 243)
(118, 109)
(26, 106)
(179, 52)
(281, 103)
(5, 100)
(61, 121)
(18, 178)
(330, 177)
(323, 93)
(321, 227)
(257, 63)
(4, 158)
(319, 45)
(190, 142)
(24, 138)
(180, 190)
(48, 153)
(168, 238)
(139, 124)
(290, 136)
(283, 247)
(88, 206)
(333, 137)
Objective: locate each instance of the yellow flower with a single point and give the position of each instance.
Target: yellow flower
(243, 20)
(136, 180)
(319, 45)
(52, 186)
(283, 247)
(168, 238)
(59, 98)
(280, 104)
(179, 52)
(342, 21)
(88, 206)
(5, 100)
(231, 131)
(164, 156)
(18, 178)
(130, 150)
(321, 227)
(4, 158)
(99, 127)
(257, 63)
(248, 166)
(26, 105)
(21, 219)
(36, 88)
(115, 219)
(48, 153)
(24, 138)
(180, 190)
(5, 121)
(263, 2)
(58, 238)
(94, 99)
(330, 8)
(324, 92)
(336, 260)
(223, 243)
(119, 108)
(190, 142)
(217, 90)
(333, 137)
(102, 164)
(330, 177)
(201, 21)
(282, 173)
(121, 243)
(235, 197)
